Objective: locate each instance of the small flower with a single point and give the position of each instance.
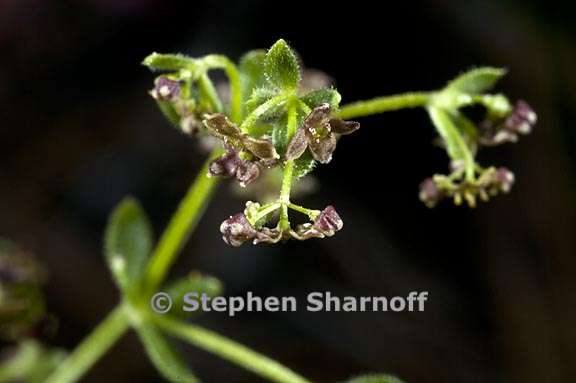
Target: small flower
(237, 229)
(430, 193)
(220, 126)
(520, 121)
(165, 89)
(317, 133)
(231, 165)
(326, 224)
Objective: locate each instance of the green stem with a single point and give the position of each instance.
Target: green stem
(259, 111)
(384, 104)
(181, 225)
(209, 92)
(311, 213)
(92, 348)
(229, 350)
(222, 62)
(292, 125)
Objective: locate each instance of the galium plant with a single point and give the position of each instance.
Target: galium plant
(270, 125)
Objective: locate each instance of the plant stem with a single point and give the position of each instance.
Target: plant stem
(384, 104)
(92, 348)
(229, 350)
(284, 222)
(222, 62)
(181, 225)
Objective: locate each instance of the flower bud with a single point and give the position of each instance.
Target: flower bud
(165, 89)
(236, 230)
(522, 119)
(430, 194)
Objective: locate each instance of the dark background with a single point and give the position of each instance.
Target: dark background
(79, 132)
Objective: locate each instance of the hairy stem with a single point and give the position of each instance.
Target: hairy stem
(384, 104)
(229, 350)
(181, 225)
(284, 222)
(92, 348)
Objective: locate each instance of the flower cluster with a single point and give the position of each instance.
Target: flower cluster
(238, 229)
(259, 152)
(276, 119)
(461, 137)
(489, 183)
(501, 130)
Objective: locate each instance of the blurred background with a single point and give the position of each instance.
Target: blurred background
(79, 132)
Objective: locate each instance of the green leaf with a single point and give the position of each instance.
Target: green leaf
(322, 96)
(375, 378)
(304, 165)
(30, 362)
(258, 97)
(128, 243)
(252, 72)
(279, 131)
(281, 66)
(478, 80)
(164, 356)
(168, 62)
(193, 282)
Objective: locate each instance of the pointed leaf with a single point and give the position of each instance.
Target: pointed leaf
(127, 243)
(304, 165)
(252, 71)
(281, 66)
(164, 356)
(169, 62)
(478, 80)
(193, 282)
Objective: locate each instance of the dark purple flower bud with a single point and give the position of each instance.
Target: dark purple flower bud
(430, 194)
(246, 172)
(165, 89)
(297, 145)
(225, 165)
(522, 119)
(344, 127)
(236, 230)
(328, 222)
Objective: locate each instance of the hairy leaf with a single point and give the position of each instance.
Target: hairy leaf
(281, 66)
(476, 80)
(322, 96)
(169, 62)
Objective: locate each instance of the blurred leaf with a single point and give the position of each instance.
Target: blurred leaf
(322, 96)
(252, 72)
(164, 356)
(193, 282)
(30, 362)
(127, 243)
(375, 378)
(169, 62)
(281, 66)
(476, 80)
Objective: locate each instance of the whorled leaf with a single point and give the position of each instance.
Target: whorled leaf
(168, 62)
(193, 282)
(477, 80)
(165, 357)
(281, 66)
(128, 243)
(252, 71)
